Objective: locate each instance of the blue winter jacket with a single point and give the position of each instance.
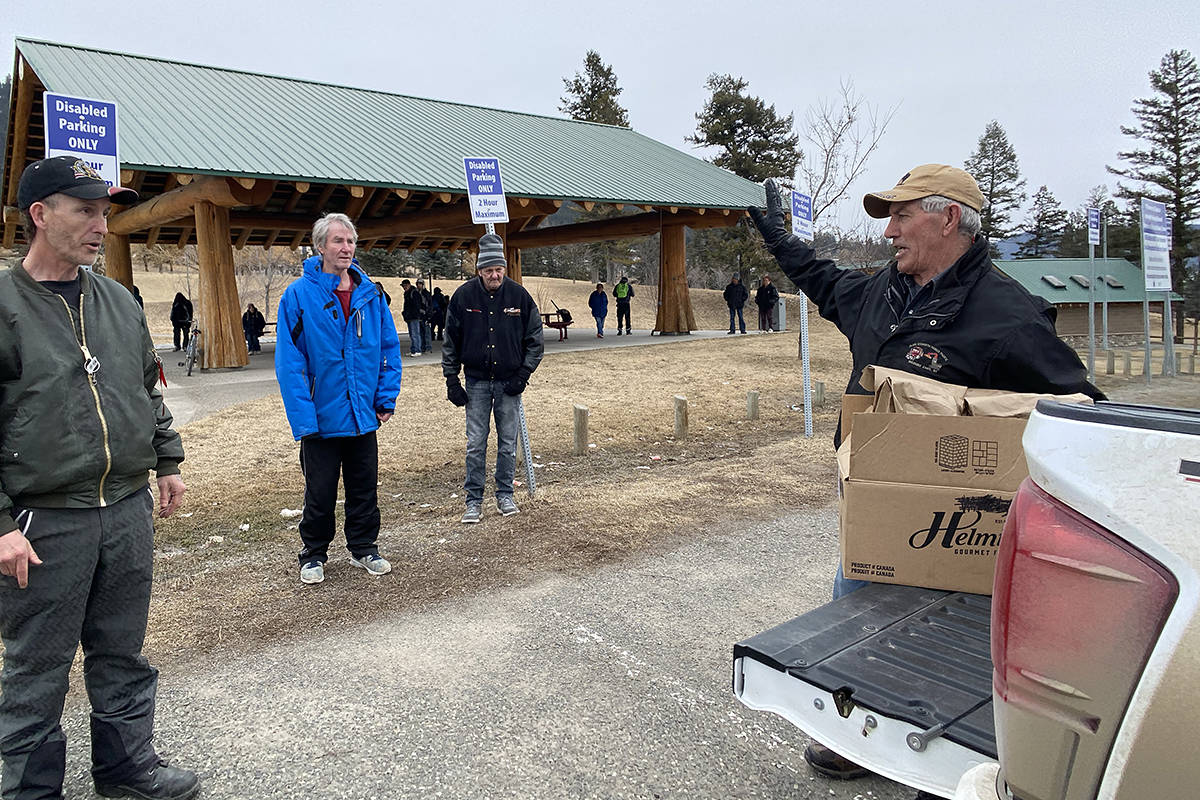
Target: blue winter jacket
(335, 376)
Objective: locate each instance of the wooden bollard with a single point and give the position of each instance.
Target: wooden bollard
(1111, 364)
(1126, 364)
(751, 405)
(818, 393)
(1178, 363)
(1191, 363)
(681, 417)
(581, 430)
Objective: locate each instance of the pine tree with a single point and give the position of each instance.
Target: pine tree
(751, 139)
(592, 96)
(994, 166)
(1044, 226)
(1168, 169)
(5, 91)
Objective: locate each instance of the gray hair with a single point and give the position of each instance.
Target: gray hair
(320, 231)
(969, 223)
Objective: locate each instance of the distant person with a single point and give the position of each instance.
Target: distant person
(81, 426)
(494, 335)
(426, 327)
(623, 292)
(337, 360)
(766, 297)
(181, 320)
(413, 313)
(940, 309)
(253, 326)
(137, 295)
(598, 302)
(736, 297)
(437, 315)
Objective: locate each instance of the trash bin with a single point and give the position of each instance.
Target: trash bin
(780, 315)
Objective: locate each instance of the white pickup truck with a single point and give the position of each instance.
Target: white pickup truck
(1076, 679)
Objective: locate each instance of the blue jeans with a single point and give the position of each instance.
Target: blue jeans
(416, 337)
(599, 323)
(741, 320)
(427, 335)
(486, 399)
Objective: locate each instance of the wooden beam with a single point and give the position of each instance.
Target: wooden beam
(323, 198)
(356, 191)
(183, 178)
(524, 201)
(243, 237)
(184, 235)
(615, 228)
(377, 202)
(429, 201)
(447, 218)
(302, 186)
(296, 240)
(220, 307)
(412, 248)
(391, 248)
(135, 182)
(246, 183)
(126, 177)
(22, 111)
(118, 263)
(358, 202)
(588, 205)
(152, 237)
(674, 302)
(178, 203)
(403, 194)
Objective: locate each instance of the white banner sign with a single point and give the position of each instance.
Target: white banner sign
(1156, 246)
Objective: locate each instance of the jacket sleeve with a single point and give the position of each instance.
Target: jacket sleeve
(291, 368)
(1034, 359)
(389, 359)
(838, 293)
(452, 338)
(531, 343)
(167, 443)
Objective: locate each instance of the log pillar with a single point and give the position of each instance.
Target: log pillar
(118, 263)
(513, 256)
(220, 307)
(675, 313)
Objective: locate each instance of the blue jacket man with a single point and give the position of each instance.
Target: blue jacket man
(338, 365)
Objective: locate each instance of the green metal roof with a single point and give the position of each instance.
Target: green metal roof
(1032, 273)
(208, 120)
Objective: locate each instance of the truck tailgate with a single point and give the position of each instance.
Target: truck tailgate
(896, 678)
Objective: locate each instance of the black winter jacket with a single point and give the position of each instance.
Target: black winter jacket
(766, 296)
(492, 336)
(979, 328)
(414, 306)
(736, 295)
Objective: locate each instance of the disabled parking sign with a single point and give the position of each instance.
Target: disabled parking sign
(802, 221)
(485, 190)
(85, 128)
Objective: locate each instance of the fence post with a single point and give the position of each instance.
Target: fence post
(581, 430)
(681, 417)
(751, 405)
(1126, 364)
(818, 394)
(1111, 366)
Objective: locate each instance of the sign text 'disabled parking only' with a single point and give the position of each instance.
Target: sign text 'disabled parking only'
(83, 127)
(485, 190)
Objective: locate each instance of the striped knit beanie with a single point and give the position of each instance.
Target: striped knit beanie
(491, 252)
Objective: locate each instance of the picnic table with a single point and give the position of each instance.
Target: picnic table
(559, 319)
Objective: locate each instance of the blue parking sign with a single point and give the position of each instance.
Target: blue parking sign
(83, 127)
(802, 221)
(485, 190)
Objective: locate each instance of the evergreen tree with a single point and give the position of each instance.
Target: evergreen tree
(592, 96)
(751, 139)
(1044, 226)
(994, 166)
(1167, 169)
(5, 91)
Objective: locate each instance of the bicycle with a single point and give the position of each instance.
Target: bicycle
(193, 352)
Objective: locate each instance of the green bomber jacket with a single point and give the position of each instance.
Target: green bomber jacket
(70, 438)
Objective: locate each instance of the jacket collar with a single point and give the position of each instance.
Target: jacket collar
(86, 280)
(329, 281)
(953, 285)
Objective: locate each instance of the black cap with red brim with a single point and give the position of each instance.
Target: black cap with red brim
(68, 175)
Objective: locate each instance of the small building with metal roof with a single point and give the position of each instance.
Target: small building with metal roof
(224, 158)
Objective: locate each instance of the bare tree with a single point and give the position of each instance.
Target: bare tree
(841, 134)
(267, 271)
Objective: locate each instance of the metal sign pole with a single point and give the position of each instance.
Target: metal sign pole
(1092, 313)
(804, 360)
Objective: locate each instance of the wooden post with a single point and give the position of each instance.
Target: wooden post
(581, 430)
(681, 417)
(513, 256)
(818, 393)
(22, 85)
(1111, 362)
(675, 313)
(118, 263)
(751, 405)
(220, 307)
(1178, 362)
(1191, 363)
(1126, 364)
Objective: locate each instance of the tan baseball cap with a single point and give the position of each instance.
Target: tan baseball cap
(924, 181)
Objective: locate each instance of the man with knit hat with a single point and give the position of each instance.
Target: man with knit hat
(82, 424)
(941, 309)
(494, 335)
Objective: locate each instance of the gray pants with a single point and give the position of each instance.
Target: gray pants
(92, 588)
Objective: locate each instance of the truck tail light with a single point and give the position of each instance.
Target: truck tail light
(1075, 613)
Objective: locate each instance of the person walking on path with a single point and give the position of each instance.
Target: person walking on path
(494, 335)
(413, 313)
(181, 320)
(623, 292)
(598, 302)
(437, 314)
(82, 424)
(736, 297)
(766, 297)
(337, 360)
(941, 309)
(427, 312)
(253, 326)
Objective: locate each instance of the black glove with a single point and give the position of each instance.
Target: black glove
(455, 392)
(516, 384)
(771, 224)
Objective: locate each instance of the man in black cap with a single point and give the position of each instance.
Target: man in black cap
(494, 335)
(735, 295)
(82, 423)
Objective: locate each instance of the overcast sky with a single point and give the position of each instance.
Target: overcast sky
(1060, 77)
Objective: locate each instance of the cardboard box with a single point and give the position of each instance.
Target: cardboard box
(933, 536)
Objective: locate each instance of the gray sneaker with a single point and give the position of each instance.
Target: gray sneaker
(507, 506)
(474, 513)
(372, 563)
(312, 572)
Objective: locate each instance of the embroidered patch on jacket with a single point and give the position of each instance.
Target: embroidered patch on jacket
(926, 356)
(513, 312)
